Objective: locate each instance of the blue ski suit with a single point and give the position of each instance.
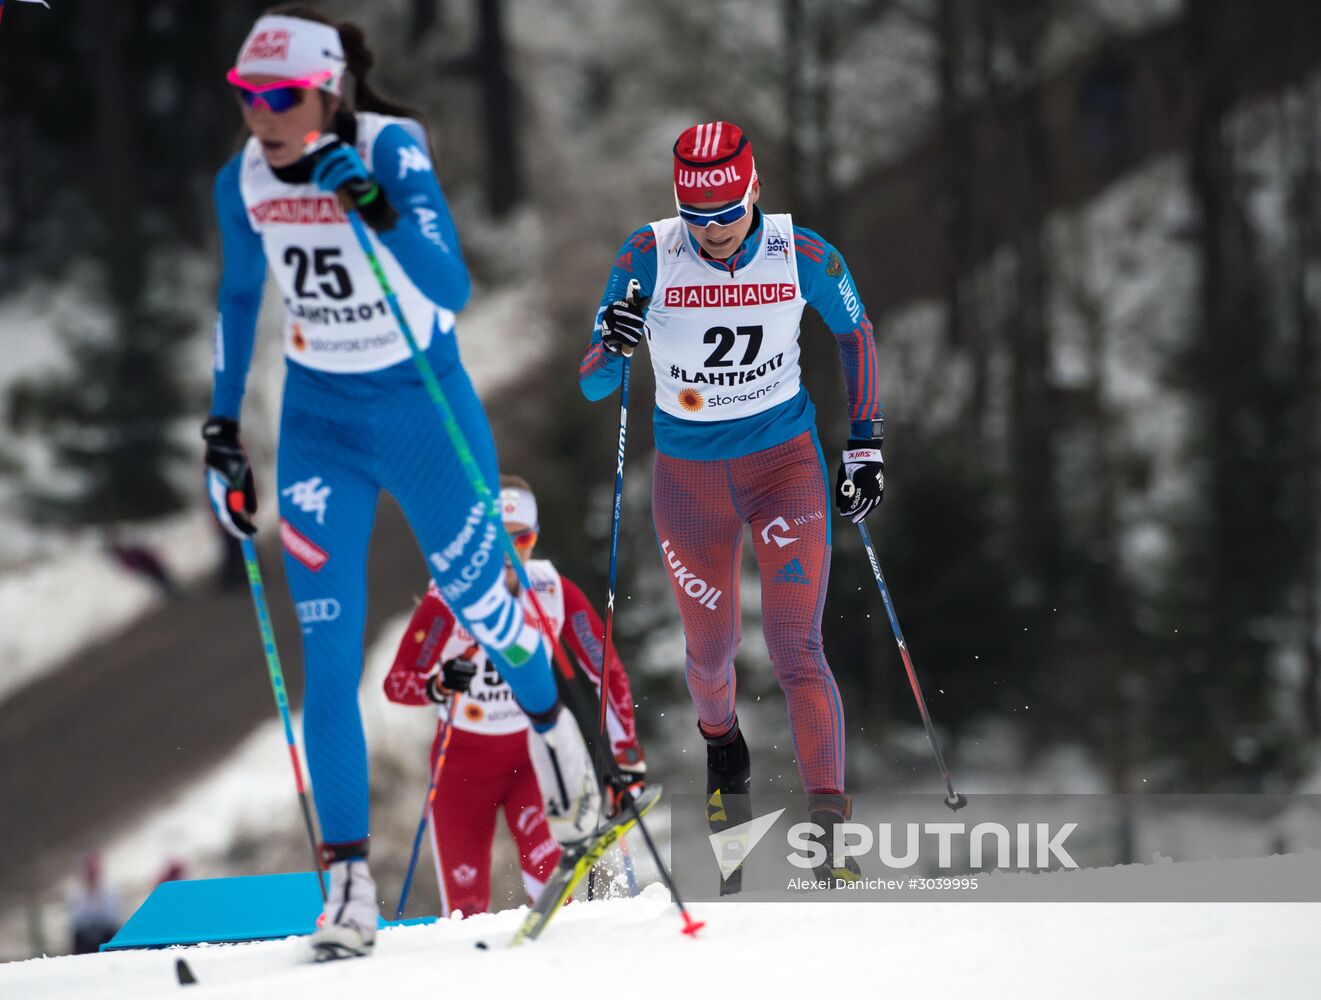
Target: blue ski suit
(356, 420)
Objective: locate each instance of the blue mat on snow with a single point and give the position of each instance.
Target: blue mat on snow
(247, 908)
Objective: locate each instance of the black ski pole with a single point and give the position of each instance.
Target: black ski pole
(631, 296)
(579, 702)
(954, 800)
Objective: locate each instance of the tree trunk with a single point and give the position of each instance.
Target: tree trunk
(955, 212)
(117, 146)
(424, 18)
(791, 13)
(504, 185)
(1305, 255)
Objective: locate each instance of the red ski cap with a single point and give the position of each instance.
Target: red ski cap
(712, 163)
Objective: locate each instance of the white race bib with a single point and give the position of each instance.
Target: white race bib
(336, 318)
(724, 346)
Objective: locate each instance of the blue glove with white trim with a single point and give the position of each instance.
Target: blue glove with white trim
(229, 483)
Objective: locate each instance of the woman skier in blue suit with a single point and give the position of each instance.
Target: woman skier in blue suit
(356, 418)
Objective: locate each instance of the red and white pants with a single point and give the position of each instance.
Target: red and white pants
(482, 775)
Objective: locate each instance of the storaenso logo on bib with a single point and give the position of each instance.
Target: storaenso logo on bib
(743, 397)
(353, 344)
(694, 586)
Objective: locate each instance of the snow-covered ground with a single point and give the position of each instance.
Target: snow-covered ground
(634, 948)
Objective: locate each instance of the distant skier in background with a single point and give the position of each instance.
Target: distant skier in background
(355, 417)
(142, 559)
(94, 910)
(723, 288)
(486, 765)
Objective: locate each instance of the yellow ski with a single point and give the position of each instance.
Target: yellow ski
(574, 865)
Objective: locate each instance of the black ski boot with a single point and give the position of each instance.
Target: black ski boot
(728, 803)
(827, 812)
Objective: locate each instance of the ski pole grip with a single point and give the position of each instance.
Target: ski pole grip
(363, 194)
(631, 297)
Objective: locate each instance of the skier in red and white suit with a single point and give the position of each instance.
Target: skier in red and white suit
(487, 765)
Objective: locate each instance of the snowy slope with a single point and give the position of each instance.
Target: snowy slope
(65, 600)
(757, 950)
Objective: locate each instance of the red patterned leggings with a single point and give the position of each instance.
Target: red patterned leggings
(700, 508)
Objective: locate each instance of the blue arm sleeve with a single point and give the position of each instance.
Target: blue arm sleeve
(241, 282)
(600, 372)
(829, 289)
(424, 241)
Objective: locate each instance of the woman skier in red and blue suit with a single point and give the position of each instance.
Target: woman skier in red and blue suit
(722, 290)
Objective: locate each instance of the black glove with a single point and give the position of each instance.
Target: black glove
(860, 485)
(455, 675)
(627, 780)
(621, 324)
(229, 484)
(336, 166)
